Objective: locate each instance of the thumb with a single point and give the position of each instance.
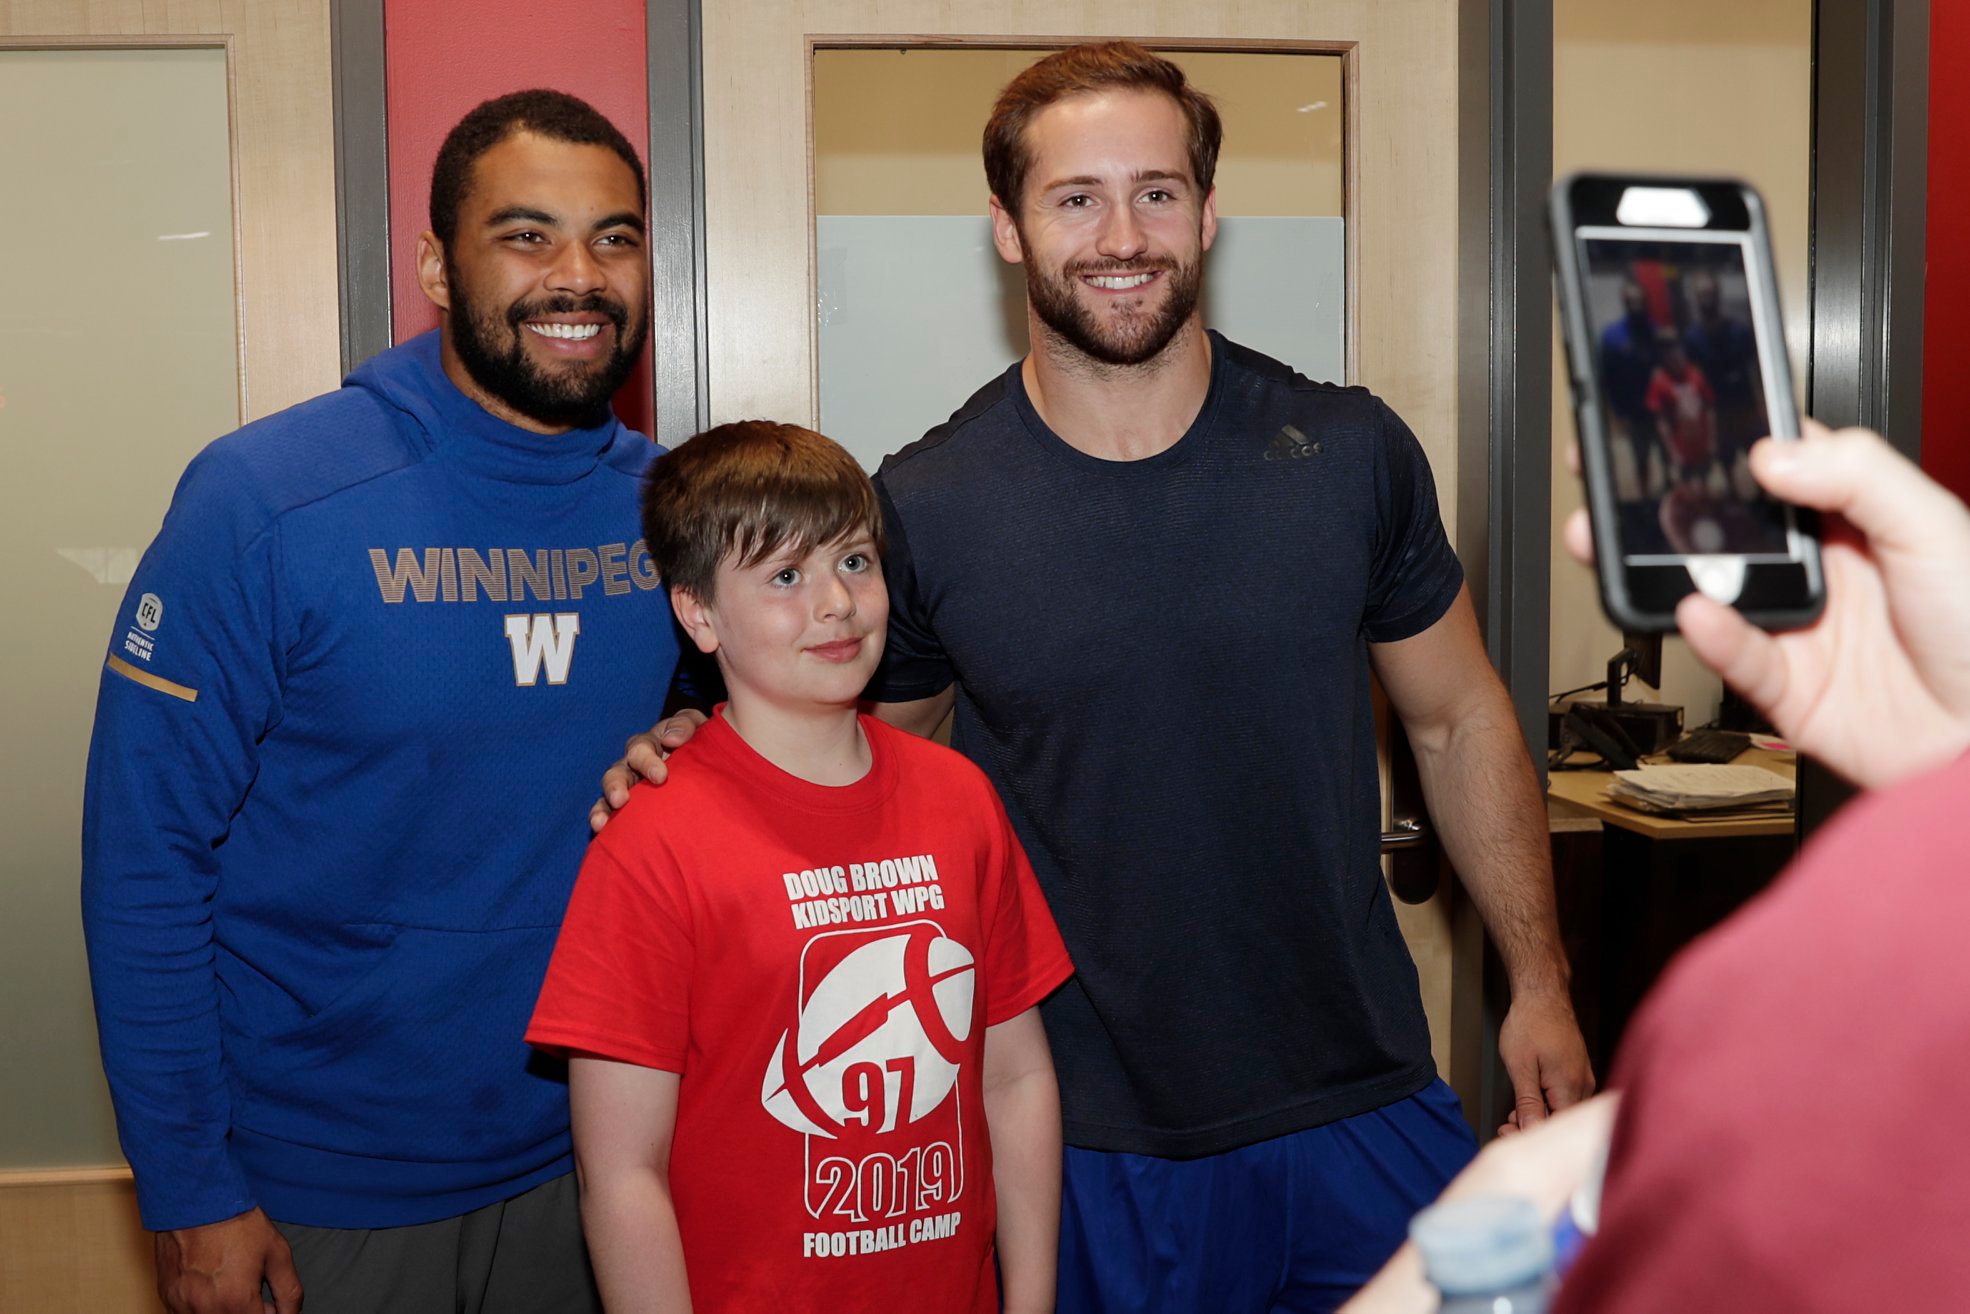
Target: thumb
(1529, 1097)
(283, 1279)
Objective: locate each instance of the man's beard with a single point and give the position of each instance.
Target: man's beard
(576, 394)
(1128, 339)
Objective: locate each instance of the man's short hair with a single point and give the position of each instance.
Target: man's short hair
(552, 114)
(1078, 71)
(749, 490)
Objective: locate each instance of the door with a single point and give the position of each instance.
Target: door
(169, 270)
(791, 280)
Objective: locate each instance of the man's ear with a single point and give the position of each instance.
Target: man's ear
(1005, 234)
(431, 273)
(1208, 220)
(696, 618)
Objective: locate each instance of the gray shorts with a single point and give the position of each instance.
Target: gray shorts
(520, 1256)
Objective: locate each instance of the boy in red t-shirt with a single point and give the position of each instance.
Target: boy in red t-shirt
(798, 984)
(1684, 408)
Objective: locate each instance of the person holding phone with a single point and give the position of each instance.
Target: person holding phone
(1790, 1132)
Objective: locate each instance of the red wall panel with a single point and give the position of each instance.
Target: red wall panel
(1946, 304)
(445, 58)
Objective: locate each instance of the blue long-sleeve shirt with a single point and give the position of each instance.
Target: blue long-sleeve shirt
(345, 745)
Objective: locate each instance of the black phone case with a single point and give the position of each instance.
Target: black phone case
(1643, 599)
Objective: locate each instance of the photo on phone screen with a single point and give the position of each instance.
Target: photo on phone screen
(1674, 318)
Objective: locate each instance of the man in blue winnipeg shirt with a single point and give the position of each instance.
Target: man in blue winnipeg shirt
(336, 787)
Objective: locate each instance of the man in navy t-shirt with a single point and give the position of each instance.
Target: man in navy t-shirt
(1155, 572)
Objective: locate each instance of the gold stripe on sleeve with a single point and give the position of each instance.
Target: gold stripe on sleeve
(149, 681)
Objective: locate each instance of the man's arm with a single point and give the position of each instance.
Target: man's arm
(1022, 1114)
(645, 756)
(1484, 798)
(191, 685)
(623, 1119)
(920, 716)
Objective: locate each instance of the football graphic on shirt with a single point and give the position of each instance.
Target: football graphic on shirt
(881, 1024)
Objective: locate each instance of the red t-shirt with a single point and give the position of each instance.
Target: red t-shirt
(1684, 404)
(1792, 1133)
(820, 965)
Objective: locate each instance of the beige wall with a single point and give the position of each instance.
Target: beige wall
(1689, 86)
(105, 283)
(897, 131)
(119, 365)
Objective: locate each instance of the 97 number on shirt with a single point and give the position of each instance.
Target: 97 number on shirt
(883, 1185)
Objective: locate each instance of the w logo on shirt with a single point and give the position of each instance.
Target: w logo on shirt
(542, 640)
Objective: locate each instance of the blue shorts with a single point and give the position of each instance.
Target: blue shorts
(1296, 1223)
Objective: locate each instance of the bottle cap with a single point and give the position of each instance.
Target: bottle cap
(1482, 1243)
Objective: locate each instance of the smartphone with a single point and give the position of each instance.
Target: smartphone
(1670, 320)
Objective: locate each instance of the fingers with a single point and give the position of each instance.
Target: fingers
(1745, 656)
(1529, 1098)
(1579, 537)
(1570, 1090)
(1855, 473)
(1529, 1110)
(676, 729)
(283, 1280)
(643, 758)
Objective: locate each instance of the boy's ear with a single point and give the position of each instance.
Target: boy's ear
(695, 617)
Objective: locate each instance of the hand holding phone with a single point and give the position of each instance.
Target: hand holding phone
(1670, 320)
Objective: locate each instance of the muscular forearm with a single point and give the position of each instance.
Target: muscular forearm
(633, 1241)
(1024, 1119)
(1484, 798)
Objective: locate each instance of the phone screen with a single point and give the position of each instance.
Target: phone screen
(1676, 324)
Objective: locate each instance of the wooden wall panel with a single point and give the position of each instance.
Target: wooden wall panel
(284, 144)
(70, 1243)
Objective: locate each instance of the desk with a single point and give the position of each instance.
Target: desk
(1586, 792)
(1655, 884)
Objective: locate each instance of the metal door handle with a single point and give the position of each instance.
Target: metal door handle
(1409, 833)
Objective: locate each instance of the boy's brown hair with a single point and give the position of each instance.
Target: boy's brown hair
(1077, 71)
(749, 490)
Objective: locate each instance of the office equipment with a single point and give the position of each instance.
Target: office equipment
(1645, 727)
(1709, 745)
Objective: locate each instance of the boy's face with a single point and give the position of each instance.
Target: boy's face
(796, 632)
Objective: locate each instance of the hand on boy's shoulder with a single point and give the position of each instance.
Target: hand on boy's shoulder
(647, 805)
(646, 758)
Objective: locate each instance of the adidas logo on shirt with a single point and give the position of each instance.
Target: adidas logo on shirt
(1289, 444)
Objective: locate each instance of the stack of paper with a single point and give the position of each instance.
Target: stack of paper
(1702, 787)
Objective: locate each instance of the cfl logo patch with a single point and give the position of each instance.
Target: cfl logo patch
(542, 641)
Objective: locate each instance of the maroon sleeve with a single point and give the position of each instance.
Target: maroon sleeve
(1791, 1134)
(1025, 960)
(619, 983)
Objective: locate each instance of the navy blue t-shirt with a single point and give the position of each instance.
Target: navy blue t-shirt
(1162, 666)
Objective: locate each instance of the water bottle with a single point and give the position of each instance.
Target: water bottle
(1487, 1254)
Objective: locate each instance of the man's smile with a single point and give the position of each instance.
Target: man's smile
(1119, 282)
